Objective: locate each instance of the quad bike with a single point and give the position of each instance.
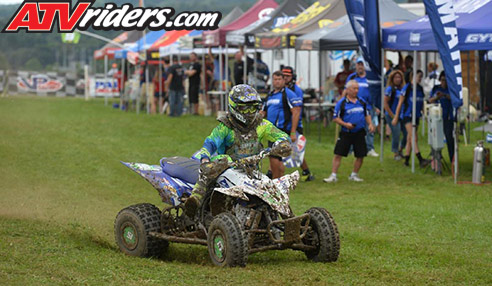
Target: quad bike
(244, 212)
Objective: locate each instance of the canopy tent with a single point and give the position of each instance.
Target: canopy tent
(231, 17)
(339, 35)
(142, 44)
(474, 23)
(168, 39)
(320, 14)
(258, 11)
(283, 14)
(175, 47)
(124, 38)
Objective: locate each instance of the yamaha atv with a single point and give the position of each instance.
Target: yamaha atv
(245, 212)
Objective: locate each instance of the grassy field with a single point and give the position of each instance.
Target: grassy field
(61, 186)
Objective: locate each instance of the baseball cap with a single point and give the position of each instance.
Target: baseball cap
(360, 59)
(288, 71)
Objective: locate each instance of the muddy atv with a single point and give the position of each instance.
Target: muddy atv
(245, 212)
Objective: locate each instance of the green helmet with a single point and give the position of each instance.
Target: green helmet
(244, 104)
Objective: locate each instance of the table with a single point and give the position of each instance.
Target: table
(323, 107)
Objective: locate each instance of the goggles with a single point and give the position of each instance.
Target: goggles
(247, 108)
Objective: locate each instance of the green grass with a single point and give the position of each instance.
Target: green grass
(61, 186)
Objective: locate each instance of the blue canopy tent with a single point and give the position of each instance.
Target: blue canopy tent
(142, 44)
(474, 25)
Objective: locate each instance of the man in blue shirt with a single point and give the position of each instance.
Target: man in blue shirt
(290, 83)
(352, 115)
(360, 76)
(440, 93)
(283, 109)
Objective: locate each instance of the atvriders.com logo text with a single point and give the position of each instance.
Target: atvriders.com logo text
(40, 17)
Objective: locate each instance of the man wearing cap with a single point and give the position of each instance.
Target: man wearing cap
(352, 115)
(280, 104)
(360, 77)
(290, 83)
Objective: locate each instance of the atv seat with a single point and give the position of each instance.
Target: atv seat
(185, 169)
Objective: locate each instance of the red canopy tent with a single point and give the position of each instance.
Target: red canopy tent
(168, 38)
(261, 9)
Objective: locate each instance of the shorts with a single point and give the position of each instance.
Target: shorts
(347, 139)
(193, 92)
(406, 120)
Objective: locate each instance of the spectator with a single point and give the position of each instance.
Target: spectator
(193, 74)
(391, 99)
(432, 78)
(113, 70)
(239, 67)
(404, 112)
(342, 76)
(440, 93)
(408, 67)
(352, 115)
(175, 86)
(262, 74)
(290, 83)
(360, 76)
(159, 82)
(226, 73)
(283, 109)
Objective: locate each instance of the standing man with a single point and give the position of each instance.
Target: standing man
(175, 86)
(360, 77)
(352, 115)
(288, 73)
(342, 76)
(282, 109)
(193, 74)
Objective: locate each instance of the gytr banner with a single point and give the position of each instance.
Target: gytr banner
(364, 17)
(443, 21)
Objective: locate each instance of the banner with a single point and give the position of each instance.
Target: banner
(70, 38)
(443, 21)
(364, 18)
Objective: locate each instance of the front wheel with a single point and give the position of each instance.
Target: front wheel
(323, 235)
(227, 244)
(132, 229)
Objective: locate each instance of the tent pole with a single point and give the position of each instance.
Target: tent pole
(245, 65)
(147, 83)
(320, 78)
(381, 120)
(309, 70)
(295, 60)
(254, 69)
(106, 78)
(271, 85)
(469, 97)
(414, 110)
(221, 69)
(226, 67)
(122, 81)
(288, 56)
(204, 83)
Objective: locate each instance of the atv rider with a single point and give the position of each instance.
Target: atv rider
(238, 135)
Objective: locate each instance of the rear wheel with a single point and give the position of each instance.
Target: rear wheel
(132, 229)
(323, 235)
(227, 244)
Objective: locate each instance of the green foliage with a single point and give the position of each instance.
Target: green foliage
(33, 64)
(62, 185)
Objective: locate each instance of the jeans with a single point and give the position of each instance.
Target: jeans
(404, 132)
(448, 126)
(395, 135)
(369, 135)
(176, 102)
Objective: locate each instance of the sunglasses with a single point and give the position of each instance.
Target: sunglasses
(248, 108)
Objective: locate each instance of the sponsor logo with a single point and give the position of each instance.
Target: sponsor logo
(265, 12)
(414, 39)
(392, 38)
(360, 30)
(39, 83)
(478, 38)
(280, 21)
(41, 16)
(355, 110)
(308, 14)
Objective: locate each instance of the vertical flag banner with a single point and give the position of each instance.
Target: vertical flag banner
(443, 21)
(364, 18)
